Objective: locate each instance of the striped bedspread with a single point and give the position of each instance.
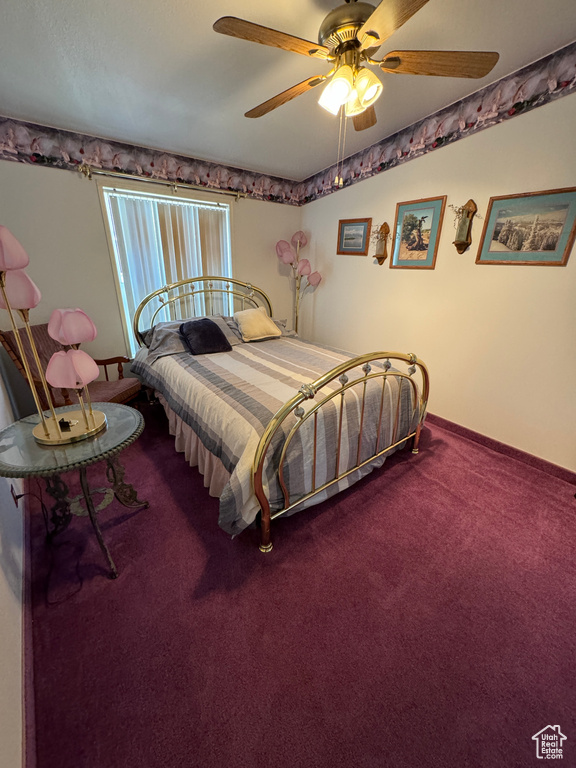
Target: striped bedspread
(229, 398)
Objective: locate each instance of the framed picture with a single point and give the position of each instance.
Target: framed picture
(416, 232)
(354, 236)
(533, 228)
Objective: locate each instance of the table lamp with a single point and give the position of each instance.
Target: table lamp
(72, 368)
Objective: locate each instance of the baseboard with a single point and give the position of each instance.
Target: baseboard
(507, 450)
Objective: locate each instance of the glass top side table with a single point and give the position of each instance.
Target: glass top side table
(22, 456)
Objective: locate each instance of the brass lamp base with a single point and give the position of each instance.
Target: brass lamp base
(72, 428)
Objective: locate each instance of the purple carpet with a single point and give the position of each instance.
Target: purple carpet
(424, 618)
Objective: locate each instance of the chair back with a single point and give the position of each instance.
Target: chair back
(45, 346)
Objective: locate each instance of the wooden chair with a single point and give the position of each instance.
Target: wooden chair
(119, 390)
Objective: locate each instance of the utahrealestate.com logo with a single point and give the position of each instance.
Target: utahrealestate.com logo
(549, 743)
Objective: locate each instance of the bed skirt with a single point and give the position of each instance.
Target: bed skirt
(215, 475)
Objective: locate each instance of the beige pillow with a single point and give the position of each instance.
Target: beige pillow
(255, 325)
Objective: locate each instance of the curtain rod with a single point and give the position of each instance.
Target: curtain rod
(87, 171)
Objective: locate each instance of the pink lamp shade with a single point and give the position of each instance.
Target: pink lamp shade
(71, 370)
(288, 257)
(285, 252)
(299, 239)
(71, 326)
(315, 278)
(85, 367)
(21, 291)
(304, 267)
(281, 246)
(12, 255)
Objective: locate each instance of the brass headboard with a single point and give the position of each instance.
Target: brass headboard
(197, 297)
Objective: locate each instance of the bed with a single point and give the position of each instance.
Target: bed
(275, 423)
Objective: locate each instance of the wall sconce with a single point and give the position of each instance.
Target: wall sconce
(380, 238)
(463, 223)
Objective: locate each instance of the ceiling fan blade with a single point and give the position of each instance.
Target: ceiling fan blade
(285, 96)
(386, 19)
(246, 30)
(440, 63)
(365, 119)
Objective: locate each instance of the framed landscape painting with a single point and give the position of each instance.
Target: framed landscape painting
(417, 230)
(354, 236)
(535, 228)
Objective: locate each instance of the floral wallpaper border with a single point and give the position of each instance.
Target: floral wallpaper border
(533, 86)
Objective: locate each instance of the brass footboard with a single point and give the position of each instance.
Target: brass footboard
(336, 385)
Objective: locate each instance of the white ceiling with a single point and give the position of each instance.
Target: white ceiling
(155, 74)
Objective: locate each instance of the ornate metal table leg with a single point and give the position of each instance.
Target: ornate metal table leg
(124, 492)
(60, 513)
(94, 521)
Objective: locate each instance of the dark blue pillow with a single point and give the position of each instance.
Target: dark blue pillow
(202, 337)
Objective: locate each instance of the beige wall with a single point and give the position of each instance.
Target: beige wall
(499, 340)
(257, 228)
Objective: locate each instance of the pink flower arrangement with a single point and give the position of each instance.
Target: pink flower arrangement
(289, 253)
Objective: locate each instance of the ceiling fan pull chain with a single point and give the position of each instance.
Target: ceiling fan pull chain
(341, 141)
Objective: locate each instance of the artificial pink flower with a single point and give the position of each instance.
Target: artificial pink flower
(71, 326)
(304, 267)
(299, 239)
(315, 278)
(21, 291)
(12, 254)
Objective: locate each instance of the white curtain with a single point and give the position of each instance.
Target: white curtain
(158, 241)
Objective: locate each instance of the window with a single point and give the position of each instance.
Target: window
(159, 240)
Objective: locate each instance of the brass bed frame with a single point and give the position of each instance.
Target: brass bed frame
(210, 295)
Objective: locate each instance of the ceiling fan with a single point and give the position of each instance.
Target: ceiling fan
(348, 38)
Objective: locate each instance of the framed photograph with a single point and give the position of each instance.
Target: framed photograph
(533, 228)
(354, 236)
(416, 232)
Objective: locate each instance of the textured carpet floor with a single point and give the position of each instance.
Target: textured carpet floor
(423, 618)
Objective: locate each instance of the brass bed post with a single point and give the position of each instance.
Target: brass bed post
(423, 404)
(265, 543)
(304, 393)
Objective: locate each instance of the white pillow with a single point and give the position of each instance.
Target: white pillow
(255, 325)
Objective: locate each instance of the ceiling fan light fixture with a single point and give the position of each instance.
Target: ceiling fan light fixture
(348, 36)
(368, 87)
(328, 102)
(339, 89)
(354, 106)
